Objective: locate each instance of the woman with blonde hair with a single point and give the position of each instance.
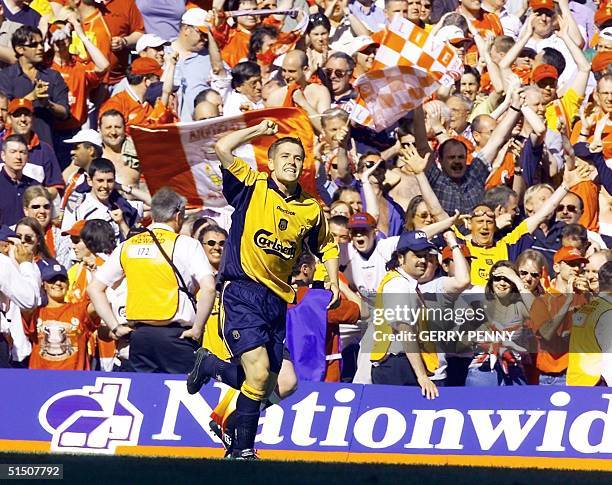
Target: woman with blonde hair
(37, 204)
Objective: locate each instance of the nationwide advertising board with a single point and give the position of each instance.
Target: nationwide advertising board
(152, 414)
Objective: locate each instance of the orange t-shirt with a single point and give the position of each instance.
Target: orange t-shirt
(606, 138)
(589, 193)
(98, 32)
(59, 337)
(122, 18)
(503, 174)
(234, 41)
(135, 112)
(544, 308)
(81, 78)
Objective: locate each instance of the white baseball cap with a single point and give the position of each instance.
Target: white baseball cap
(356, 44)
(149, 40)
(196, 17)
(606, 34)
(89, 135)
(450, 33)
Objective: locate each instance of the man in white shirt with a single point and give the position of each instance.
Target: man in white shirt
(364, 259)
(409, 284)
(246, 89)
(19, 289)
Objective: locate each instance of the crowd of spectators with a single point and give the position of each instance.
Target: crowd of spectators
(497, 189)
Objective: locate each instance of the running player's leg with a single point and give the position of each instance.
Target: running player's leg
(253, 391)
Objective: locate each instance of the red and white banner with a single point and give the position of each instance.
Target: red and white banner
(404, 44)
(182, 155)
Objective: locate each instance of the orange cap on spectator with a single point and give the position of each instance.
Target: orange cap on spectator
(569, 254)
(75, 230)
(544, 71)
(20, 103)
(146, 65)
(542, 5)
(447, 252)
(601, 61)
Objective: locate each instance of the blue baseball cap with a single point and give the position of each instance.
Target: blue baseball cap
(6, 232)
(415, 241)
(50, 269)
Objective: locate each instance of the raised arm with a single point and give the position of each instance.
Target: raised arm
(503, 130)
(456, 284)
(96, 55)
(580, 80)
(515, 50)
(573, 30)
(226, 145)
(571, 178)
(416, 165)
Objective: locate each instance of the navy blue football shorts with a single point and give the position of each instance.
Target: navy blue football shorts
(253, 316)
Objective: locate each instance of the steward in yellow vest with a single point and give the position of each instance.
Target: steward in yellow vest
(585, 358)
(396, 356)
(163, 270)
(590, 358)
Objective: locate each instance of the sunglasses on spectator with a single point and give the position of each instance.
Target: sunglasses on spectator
(339, 73)
(39, 206)
(33, 45)
(497, 279)
(26, 238)
(75, 239)
(56, 279)
(483, 213)
(212, 243)
(570, 208)
(522, 273)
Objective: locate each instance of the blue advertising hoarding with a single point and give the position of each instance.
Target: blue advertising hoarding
(152, 414)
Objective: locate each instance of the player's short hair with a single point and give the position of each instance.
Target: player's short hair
(166, 204)
(605, 277)
(305, 258)
(102, 165)
(282, 141)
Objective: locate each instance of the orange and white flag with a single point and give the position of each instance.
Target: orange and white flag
(182, 155)
(431, 62)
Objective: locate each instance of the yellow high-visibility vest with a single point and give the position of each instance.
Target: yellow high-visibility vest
(152, 286)
(380, 346)
(584, 368)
